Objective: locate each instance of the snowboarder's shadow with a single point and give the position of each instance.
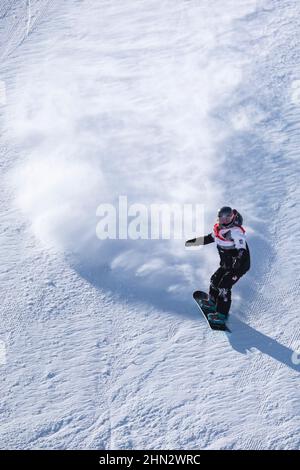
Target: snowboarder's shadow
(244, 338)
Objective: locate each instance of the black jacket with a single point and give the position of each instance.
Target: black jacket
(235, 260)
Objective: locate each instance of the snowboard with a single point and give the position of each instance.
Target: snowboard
(199, 296)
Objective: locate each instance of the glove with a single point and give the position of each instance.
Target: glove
(190, 242)
(195, 241)
(236, 264)
(200, 240)
(237, 261)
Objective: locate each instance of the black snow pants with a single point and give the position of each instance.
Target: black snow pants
(221, 283)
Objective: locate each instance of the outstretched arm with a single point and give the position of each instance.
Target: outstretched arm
(200, 240)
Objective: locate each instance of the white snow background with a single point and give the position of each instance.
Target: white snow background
(165, 101)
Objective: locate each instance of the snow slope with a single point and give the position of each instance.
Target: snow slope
(101, 345)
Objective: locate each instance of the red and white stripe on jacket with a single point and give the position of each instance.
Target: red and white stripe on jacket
(230, 238)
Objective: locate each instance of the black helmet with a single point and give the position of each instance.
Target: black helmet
(228, 217)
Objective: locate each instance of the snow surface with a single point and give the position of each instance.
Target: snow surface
(101, 345)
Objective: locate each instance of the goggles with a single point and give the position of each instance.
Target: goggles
(225, 219)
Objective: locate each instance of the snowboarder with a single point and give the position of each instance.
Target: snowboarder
(230, 238)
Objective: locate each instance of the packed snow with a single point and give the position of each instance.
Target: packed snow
(161, 101)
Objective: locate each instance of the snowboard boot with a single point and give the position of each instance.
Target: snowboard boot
(208, 305)
(217, 318)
